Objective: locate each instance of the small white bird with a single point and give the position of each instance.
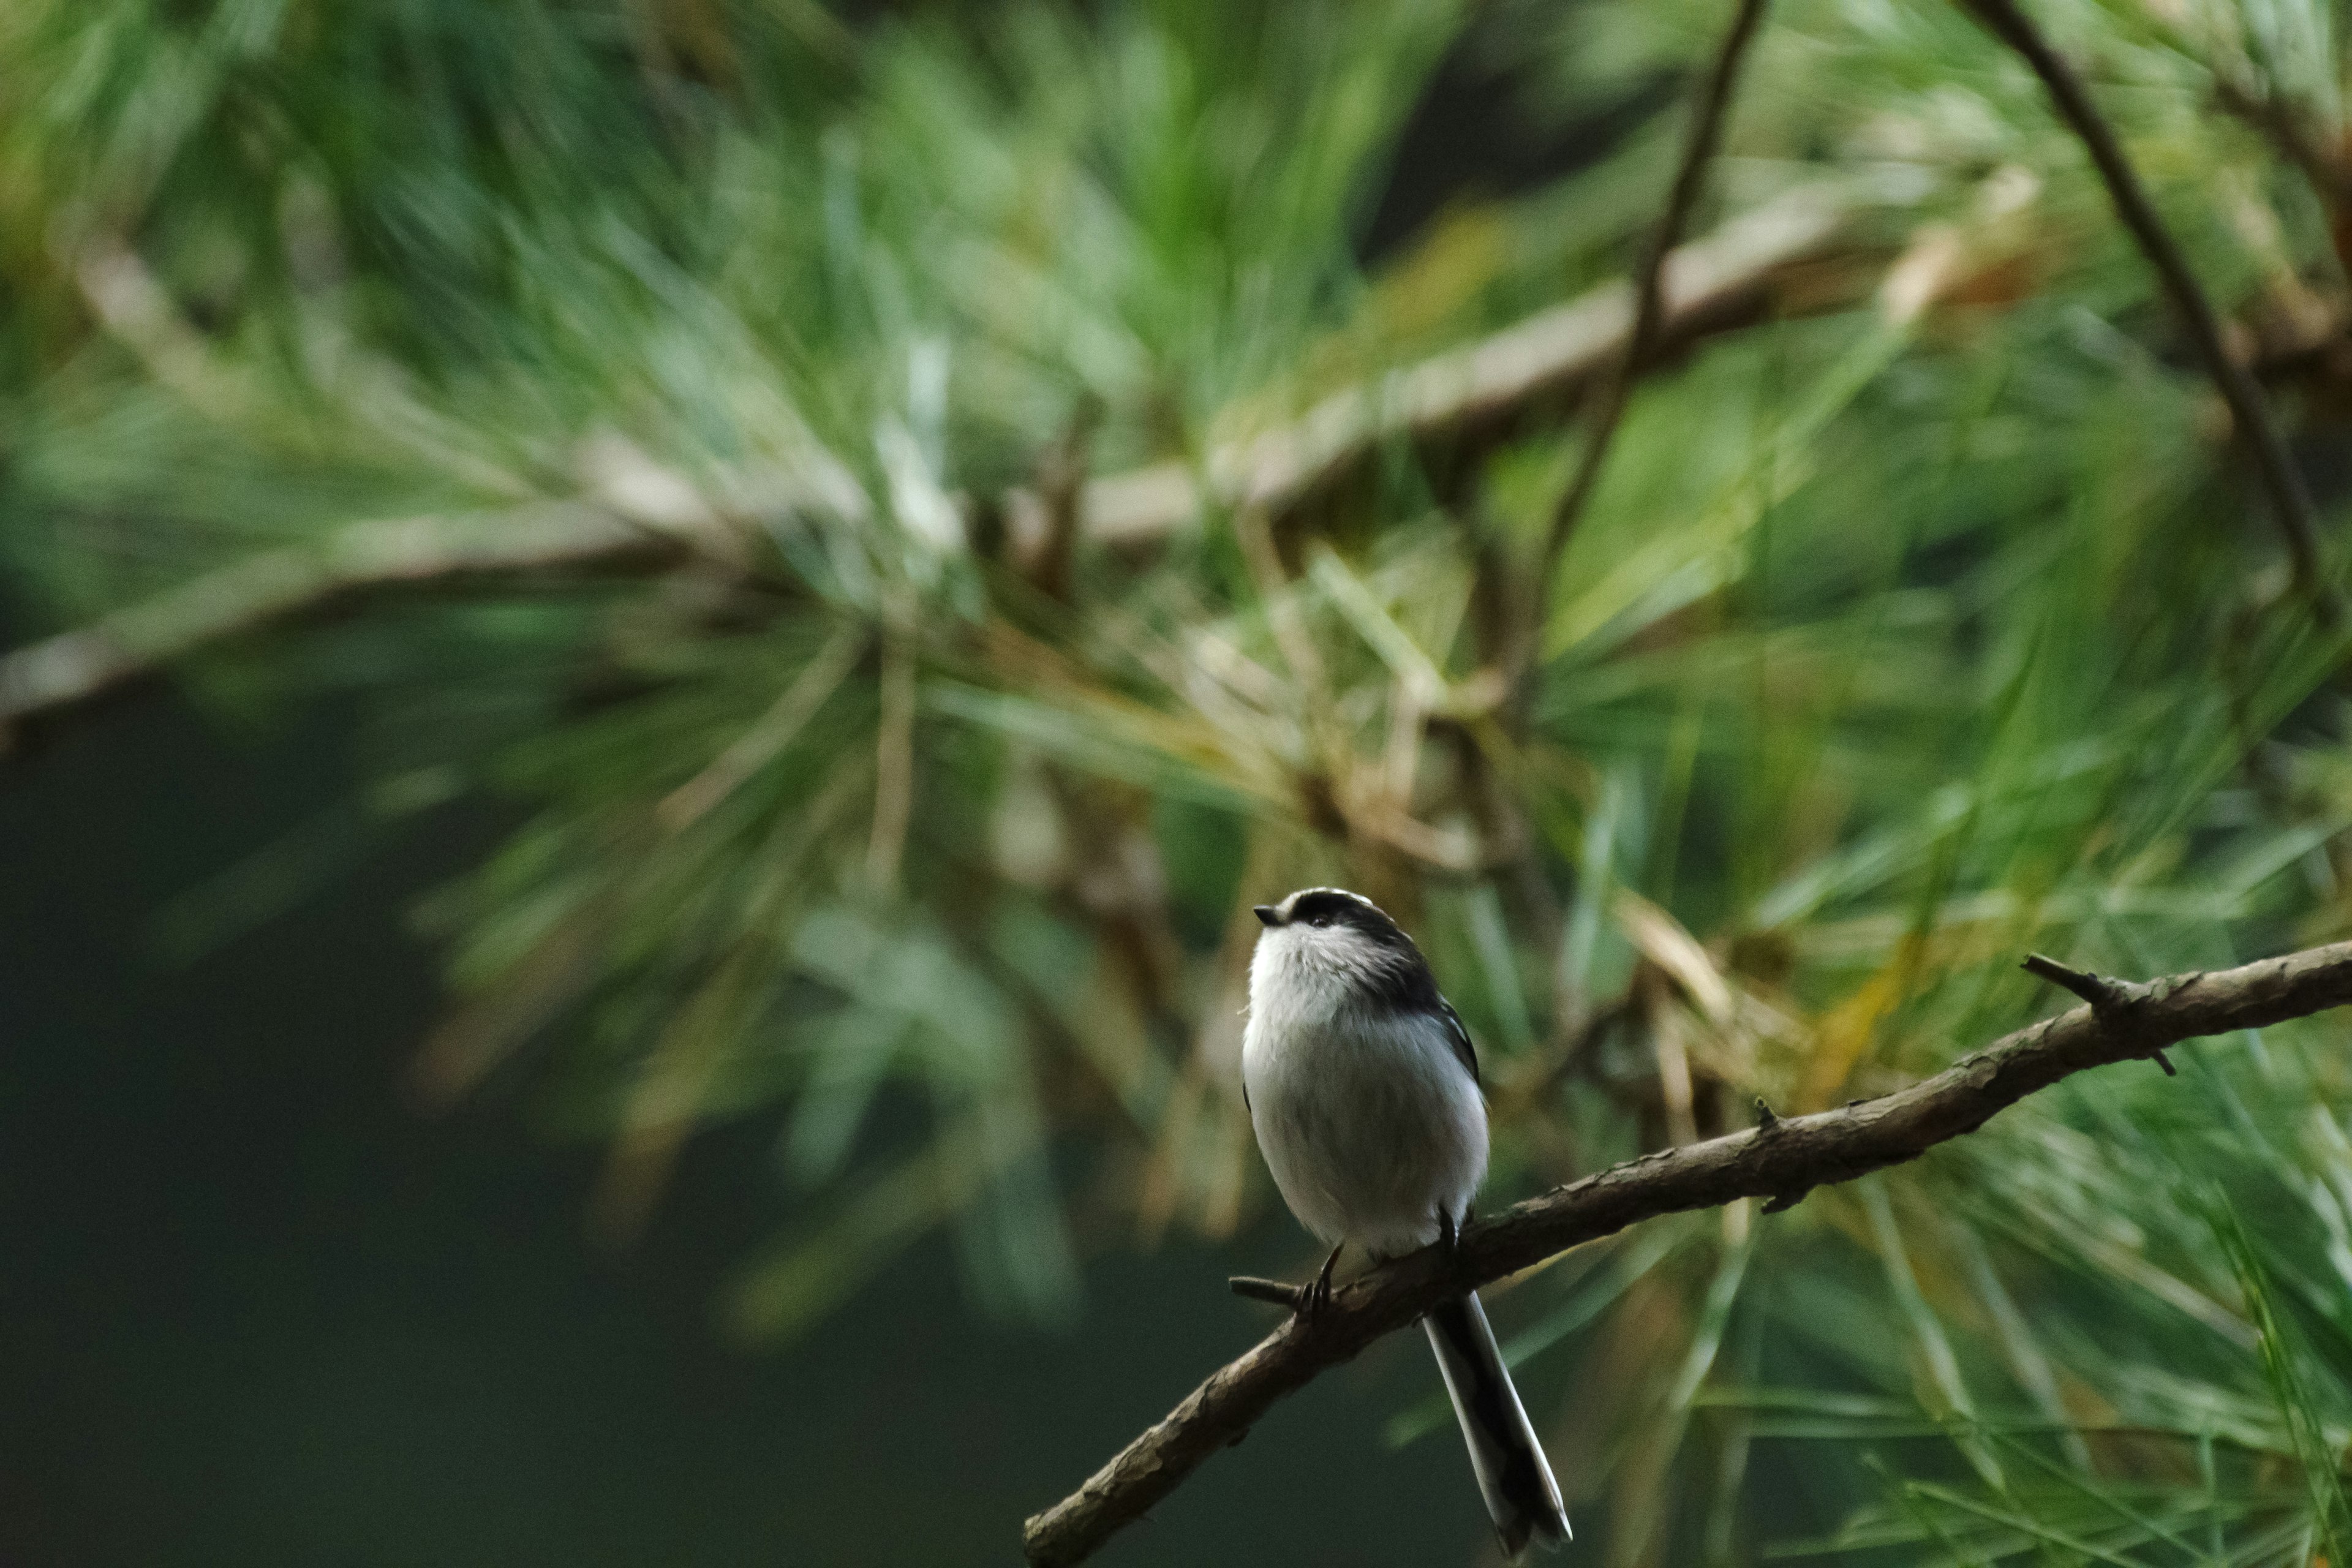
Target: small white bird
(1363, 1089)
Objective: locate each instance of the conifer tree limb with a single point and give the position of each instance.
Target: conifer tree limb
(2290, 501)
(1705, 134)
(1713, 283)
(1466, 394)
(1780, 1161)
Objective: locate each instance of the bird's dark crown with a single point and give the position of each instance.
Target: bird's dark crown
(1335, 906)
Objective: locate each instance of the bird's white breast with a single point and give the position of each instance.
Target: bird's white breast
(1368, 1122)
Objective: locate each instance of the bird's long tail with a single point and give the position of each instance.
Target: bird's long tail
(1513, 1476)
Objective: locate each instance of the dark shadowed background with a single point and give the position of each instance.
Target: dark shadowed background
(259, 1310)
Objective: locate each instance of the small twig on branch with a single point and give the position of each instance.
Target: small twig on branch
(1257, 1289)
(1781, 1163)
(2096, 989)
(2109, 998)
(1649, 306)
(2272, 463)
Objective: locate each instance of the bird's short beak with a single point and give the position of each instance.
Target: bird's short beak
(1266, 914)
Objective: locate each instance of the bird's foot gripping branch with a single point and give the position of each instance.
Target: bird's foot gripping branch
(2120, 1022)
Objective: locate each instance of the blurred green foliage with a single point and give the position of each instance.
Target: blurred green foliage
(1923, 618)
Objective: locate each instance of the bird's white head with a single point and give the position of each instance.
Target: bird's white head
(1321, 937)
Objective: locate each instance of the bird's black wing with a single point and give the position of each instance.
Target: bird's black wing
(1402, 981)
(1458, 1037)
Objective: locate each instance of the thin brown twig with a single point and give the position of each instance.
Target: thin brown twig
(2290, 501)
(2096, 989)
(1273, 1292)
(2107, 997)
(1649, 307)
(1780, 1161)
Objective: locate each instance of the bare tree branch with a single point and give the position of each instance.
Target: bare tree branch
(1781, 1160)
(2297, 519)
(1649, 299)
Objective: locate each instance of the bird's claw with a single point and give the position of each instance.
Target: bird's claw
(1315, 1295)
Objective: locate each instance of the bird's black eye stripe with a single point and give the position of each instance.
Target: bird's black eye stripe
(1326, 907)
(1320, 909)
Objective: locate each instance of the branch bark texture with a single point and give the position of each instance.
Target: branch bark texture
(1779, 1161)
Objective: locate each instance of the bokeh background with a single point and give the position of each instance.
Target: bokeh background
(662, 642)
